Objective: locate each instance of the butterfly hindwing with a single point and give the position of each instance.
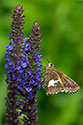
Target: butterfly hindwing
(52, 81)
(54, 89)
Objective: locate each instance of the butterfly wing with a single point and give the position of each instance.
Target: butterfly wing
(52, 81)
(56, 82)
(68, 85)
(54, 89)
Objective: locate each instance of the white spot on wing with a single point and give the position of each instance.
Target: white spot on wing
(62, 90)
(52, 82)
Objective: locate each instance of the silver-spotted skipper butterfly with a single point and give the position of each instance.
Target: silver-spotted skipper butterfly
(56, 81)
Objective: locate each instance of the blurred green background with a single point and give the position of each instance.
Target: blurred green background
(62, 43)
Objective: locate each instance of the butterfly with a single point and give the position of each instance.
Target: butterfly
(56, 81)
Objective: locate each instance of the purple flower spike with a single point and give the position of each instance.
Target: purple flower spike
(23, 72)
(12, 57)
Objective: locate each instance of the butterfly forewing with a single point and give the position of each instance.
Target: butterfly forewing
(69, 85)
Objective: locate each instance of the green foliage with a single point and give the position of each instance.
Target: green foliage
(62, 43)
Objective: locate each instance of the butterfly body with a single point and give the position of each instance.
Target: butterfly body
(56, 81)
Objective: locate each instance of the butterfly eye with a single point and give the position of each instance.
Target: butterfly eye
(50, 64)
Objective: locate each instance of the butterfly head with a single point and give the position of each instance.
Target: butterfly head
(50, 65)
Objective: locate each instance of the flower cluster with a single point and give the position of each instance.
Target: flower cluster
(29, 75)
(23, 72)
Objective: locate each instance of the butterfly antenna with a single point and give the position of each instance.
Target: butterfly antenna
(46, 59)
